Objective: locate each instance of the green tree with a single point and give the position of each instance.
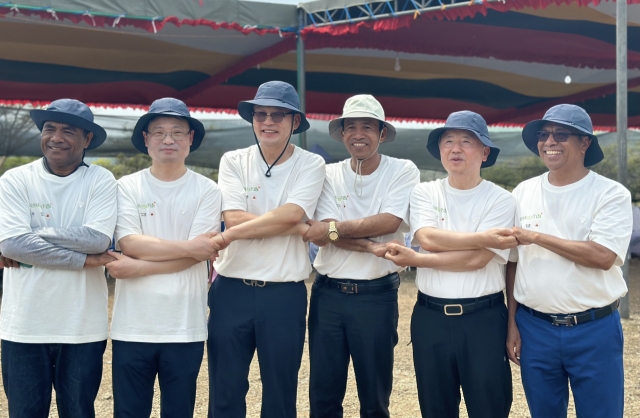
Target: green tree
(509, 175)
(608, 167)
(12, 162)
(123, 165)
(15, 131)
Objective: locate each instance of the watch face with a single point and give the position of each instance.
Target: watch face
(333, 235)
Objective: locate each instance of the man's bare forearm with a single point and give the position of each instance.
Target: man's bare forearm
(437, 240)
(79, 239)
(166, 267)
(369, 227)
(272, 223)
(35, 251)
(456, 261)
(362, 245)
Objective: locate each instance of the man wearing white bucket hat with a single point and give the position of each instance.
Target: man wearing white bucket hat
(354, 300)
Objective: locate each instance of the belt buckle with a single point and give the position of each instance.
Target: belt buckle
(569, 320)
(457, 305)
(349, 288)
(255, 283)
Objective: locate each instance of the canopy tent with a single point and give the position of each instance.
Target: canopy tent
(506, 60)
(227, 131)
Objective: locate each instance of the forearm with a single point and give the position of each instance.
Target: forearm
(272, 223)
(512, 305)
(455, 261)
(148, 268)
(584, 253)
(369, 227)
(149, 248)
(80, 239)
(35, 251)
(362, 245)
(437, 240)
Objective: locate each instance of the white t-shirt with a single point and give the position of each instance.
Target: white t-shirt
(438, 205)
(42, 305)
(244, 186)
(164, 307)
(386, 190)
(593, 209)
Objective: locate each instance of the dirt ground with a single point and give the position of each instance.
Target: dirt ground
(404, 401)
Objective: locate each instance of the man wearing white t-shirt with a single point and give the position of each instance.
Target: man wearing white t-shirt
(354, 301)
(459, 324)
(167, 216)
(57, 217)
(259, 300)
(573, 227)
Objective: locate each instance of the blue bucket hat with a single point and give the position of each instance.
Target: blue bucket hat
(72, 112)
(571, 116)
(167, 107)
(274, 93)
(469, 121)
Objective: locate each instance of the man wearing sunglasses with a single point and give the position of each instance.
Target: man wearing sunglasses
(259, 300)
(167, 216)
(573, 228)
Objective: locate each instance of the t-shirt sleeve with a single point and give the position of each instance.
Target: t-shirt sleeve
(128, 215)
(230, 184)
(207, 216)
(501, 215)
(613, 223)
(327, 206)
(308, 185)
(396, 201)
(102, 208)
(421, 211)
(15, 212)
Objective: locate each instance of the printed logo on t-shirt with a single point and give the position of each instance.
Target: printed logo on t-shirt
(143, 208)
(441, 211)
(41, 209)
(531, 221)
(341, 201)
(251, 189)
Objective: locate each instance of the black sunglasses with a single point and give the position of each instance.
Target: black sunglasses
(557, 136)
(276, 117)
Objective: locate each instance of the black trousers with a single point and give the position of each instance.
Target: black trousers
(134, 370)
(467, 351)
(243, 318)
(362, 327)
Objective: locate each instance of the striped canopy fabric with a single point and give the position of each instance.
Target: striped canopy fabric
(507, 61)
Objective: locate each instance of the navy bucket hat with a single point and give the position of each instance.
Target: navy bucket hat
(71, 112)
(571, 116)
(167, 107)
(469, 121)
(278, 94)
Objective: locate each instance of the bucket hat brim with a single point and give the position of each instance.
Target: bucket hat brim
(335, 125)
(245, 110)
(40, 116)
(433, 145)
(138, 139)
(593, 155)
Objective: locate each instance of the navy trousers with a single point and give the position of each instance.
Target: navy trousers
(244, 318)
(362, 327)
(135, 367)
(587, 355)
(29, 371)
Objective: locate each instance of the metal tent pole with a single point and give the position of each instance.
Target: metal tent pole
(302, 88)
(621, 115)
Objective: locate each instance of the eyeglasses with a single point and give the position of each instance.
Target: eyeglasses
(176, 135)
(276, 117)
(557, 136)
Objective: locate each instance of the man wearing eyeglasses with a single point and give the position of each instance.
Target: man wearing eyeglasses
(259, 300)
(167, 216)
(573, 228)
(354, 300)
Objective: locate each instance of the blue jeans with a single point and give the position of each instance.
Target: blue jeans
(588, 355)
(30, 370)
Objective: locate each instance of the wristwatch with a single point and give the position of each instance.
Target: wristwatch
(333, 232)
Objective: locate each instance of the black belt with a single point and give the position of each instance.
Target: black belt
(382, 284)
(576, 318)
(255, 283)
(456, 307)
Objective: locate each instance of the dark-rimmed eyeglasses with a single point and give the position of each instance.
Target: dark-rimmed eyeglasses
(557, 136)
(276, 117)
(176, 135)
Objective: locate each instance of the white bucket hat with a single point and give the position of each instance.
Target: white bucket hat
(361, 106)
